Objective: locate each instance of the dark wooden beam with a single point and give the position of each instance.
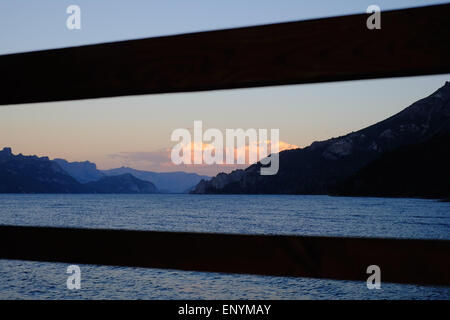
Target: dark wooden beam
(425, 262)
(410, 42)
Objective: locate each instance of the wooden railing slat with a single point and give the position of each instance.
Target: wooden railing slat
(410, 42)
(415, 261)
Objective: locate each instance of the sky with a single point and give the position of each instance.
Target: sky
(135, 131)
(35, 25)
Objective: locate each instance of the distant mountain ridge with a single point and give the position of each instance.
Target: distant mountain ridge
(323, 166)
(83, 172)
(84, 177)
(174, 182)
(124, 183)
(165, 182)
(32, 174)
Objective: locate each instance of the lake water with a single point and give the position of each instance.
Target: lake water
(253, 214)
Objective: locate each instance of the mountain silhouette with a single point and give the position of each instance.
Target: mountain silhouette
(417, 170)
(83, 172)
(171, 182)
(165, 182)
(32, 174)
(323, 167)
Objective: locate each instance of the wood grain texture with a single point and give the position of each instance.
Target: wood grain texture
(411, 42)
(425, 262)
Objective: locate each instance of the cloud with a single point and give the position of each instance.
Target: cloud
(160, 160)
